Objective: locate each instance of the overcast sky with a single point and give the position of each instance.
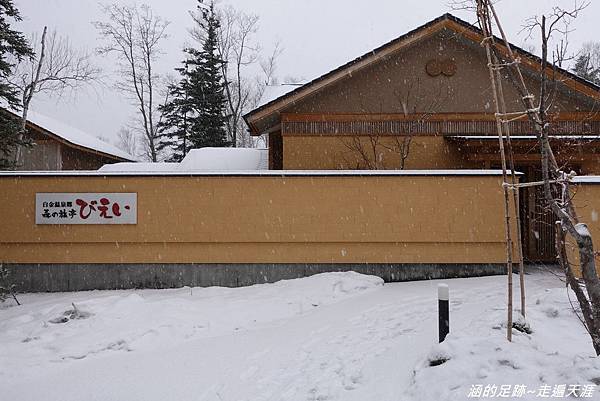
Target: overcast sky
(317, 36)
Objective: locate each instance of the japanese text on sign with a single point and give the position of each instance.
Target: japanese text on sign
(86, 208)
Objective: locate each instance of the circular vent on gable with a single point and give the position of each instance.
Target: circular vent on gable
(433, 68)
(436, 67)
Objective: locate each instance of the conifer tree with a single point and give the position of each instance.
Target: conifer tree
(207, 87)
(174, 129)
(195, 114)
(585, 69)
(13, 48)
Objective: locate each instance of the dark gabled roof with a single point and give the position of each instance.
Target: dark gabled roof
(444, 21)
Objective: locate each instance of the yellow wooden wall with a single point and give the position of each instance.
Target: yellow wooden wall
(337, 152)
(265, 219)
(587, 203)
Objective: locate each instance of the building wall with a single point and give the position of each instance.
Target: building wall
(339, 152)
(75, 159)
(400, 84)
(48, 154)
(268, 219)
(42, 155)
(587, 203)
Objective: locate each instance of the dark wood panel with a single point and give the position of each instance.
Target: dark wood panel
(428, 126)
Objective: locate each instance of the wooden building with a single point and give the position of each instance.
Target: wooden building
(437, 212)
(58, 146)
(428, 93)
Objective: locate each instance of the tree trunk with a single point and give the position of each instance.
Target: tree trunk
(27, 96)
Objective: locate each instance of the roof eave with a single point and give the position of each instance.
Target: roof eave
(342, 71)
(445, 21)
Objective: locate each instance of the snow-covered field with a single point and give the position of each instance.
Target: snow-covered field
(336, 336)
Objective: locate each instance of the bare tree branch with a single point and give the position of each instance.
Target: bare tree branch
(57, 67)
(134, 35)
(369, 151)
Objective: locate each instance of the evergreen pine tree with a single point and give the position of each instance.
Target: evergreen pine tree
(207, 87)
(13, 46)
(174, 129)
(195, 114)
(583, 67)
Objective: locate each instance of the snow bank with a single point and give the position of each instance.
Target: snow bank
(537, 364)
(335, 337)
(36, 335)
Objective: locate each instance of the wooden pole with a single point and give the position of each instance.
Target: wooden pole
(515, 190)
(485, 22)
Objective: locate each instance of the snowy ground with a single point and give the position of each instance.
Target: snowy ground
(337, 336)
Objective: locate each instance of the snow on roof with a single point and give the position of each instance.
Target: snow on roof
(75, 136)
(203, 159)
(226, 159)
(266, 173)
(273, 92)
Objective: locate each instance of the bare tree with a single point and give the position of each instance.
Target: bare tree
(366, 152)
(237, 47)
(56, 67)
(268, 78)
(127, 141)
(134, 34)
(369, 151)
(268, 67)
(555, 182)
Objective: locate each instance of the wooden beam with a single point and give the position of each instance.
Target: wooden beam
(339, 117)
(530, 157)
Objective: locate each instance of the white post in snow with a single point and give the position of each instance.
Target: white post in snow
(443, 311)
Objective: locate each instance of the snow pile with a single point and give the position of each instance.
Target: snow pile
(479, 363)
(46, 330)
(138, 167)
(203, 159)
(225, 159)
(335, 337)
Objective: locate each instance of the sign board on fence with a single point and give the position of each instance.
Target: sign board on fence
(86, 208)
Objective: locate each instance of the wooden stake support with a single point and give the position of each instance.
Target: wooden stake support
(484, 13)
